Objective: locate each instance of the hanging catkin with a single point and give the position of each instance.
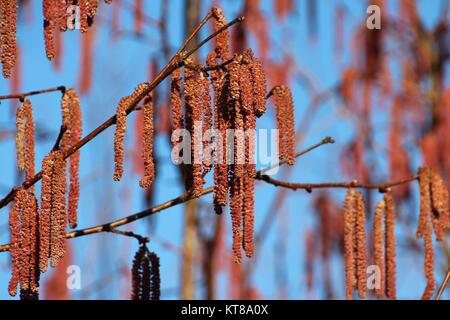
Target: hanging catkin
(248, 216)
(285, 122)
(349, 243)
(378, 234)
(23, 222)
(425, 201)
(50, 13)
(429, 261)
(145, 275)
(176, 104)
(223, 38)
(53, 216)
(25, 139)
(391, 264)
(236, 204)
(8, 25)
(121, 126)
(440, 200)
(147, 148)
(259, 85)
(195, 128)
(218, 82)
(207, 122)
(20, 137)
(72, 120)
(360, 229)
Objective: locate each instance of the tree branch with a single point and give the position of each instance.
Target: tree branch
(443, 285)
(22, 96)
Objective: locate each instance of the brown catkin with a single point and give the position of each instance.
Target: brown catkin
(176, 103)
(145, 275)
(50, 13)
(360, 229)
(284, 106)
(45, 212)
(194, 126)
(390, 251)
(207, 121)
(8, 26)
(223, 38)
(147, 148)
(378, 234)
(72, 119)
(349, 239)
(220, 125)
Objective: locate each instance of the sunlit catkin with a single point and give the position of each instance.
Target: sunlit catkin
(248, 216)
(440, 200)
(360, 229)
(119, 137)
(429, 261)
(349, 243)
(50, 13)
(378, 234)
(72, 120)
(8, 26)
(259, 85)
(284, 106)
(20, 137)
(147, 148)
(390, 251)
(176, 104)
(223, 38)
(236, 205)
(425, 201)
(14, 228)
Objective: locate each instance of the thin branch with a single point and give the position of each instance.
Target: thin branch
(130, 234)
(107, 227)
(176, 62)
(21, 96)
(382, 187)
(443, 285)
(62, 130)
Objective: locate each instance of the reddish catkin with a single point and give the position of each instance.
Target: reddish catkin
(207, 122)
(30, 166)
(58, 214)
(440, 200)
(349, 237)
(50, 16)
(119, 137)
(45, 212)
(176, 104)
(8, 26)
(72, 119)
(248, 216)
(429, 261)
(239, 156)
(14, 227)
(147, 148)
(425, 201)
(20, 137)
(194, 125)
(220, 126)
(259, 85)
(378, 235)
(223, 38)
(390, 251)
(284, 106)
(360, 229)
(236, 204)
(155, 284)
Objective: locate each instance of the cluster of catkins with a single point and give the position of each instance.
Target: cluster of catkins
(39, 234)
(355, 257)
(58, 16)
(434, 215)
(145, 275)
(239, 86)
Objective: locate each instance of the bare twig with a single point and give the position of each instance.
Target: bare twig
(130, 234)
(443, 285)
(22, 96)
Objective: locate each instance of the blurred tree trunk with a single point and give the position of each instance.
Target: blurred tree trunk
(192, 18)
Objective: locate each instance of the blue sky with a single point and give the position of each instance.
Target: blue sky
(118, 67)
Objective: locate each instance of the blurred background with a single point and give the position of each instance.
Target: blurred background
(383, 95)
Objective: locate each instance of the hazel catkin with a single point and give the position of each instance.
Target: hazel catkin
(147, 149)
(8, 26)
(390, 251)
